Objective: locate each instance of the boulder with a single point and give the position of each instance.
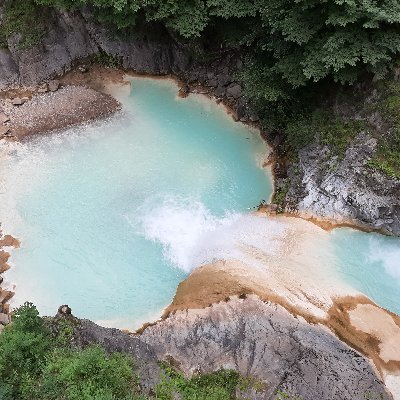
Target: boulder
(43, 88)
(212, 83)
(3, 118)
(224, 79)
(4, 319)
(83, 68)
(234, 90)
(54, 85)
(17, 101)
(220, 91)
(64, 310)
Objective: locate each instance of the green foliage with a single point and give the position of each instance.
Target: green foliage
(107, 60)
(87, 374)
(38, 362)
(387, 158)
(282, 395)
(280, 197)
(24, 20)
(220, 385)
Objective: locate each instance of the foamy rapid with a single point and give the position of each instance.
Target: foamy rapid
(387, 254)
(192, 236)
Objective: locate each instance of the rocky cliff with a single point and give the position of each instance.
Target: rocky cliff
(344, 189)
(259, 339)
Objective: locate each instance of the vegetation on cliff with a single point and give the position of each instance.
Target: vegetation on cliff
(38, 360)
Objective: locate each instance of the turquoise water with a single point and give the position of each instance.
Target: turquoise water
(370, 263)
(112, 216)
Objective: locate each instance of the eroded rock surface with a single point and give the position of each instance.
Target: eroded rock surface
(345, 189)
(265, 341)
(259, 339)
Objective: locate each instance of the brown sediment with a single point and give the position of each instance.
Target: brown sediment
(370, 339)
(6, 295)
(9, 241)
(325, 223)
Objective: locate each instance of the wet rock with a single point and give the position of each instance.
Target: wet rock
(54, 85)
(184, 90)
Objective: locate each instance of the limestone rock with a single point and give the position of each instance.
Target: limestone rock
(265, 341)
(346, 189)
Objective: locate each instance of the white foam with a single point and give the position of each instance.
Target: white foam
(387, 254)
(192, 236)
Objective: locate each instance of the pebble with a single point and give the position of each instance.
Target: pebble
(54, 85)
(17, 101)
(4, 130)
(3, 118)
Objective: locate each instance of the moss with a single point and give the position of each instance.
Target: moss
(108, 60)
(323, 127)
(23, 18)
(387, 157)
(280, 197)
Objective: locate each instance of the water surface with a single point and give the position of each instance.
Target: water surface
(111, 215)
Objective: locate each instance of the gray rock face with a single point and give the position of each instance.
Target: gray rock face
(9, 73)
(67, 39)
(265, 341)
(346, 189)
(73, 35)
(258, 339)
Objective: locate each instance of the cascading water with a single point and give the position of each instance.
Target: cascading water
(112, 216)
